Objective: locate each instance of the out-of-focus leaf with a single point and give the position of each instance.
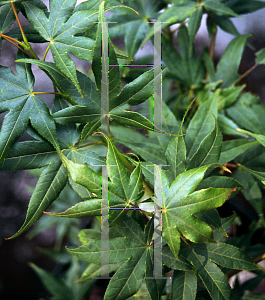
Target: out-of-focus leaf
(54, 285)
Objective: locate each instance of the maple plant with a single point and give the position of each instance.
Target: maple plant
(207, 153)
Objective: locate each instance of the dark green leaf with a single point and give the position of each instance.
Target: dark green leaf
(54, 285)
(51, 182)
(60, 30)
(226, 255)
(211, 276)
(17, 97)
(233, 148)
(208, 151)
(201, 125)
(218, 8)
(184, 285)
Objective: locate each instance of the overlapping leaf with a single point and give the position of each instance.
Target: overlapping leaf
(60, 30)
(122, 189)
(16, 95)
(33, 154)
(180, 203)
(130, 245)
(135, 26)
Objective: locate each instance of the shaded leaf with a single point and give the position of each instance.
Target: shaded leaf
(184, 285)
(211, 276)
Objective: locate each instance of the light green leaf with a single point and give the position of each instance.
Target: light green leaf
(94, 270)
(176, 157)
(172, 15)
(180, 203)
(227, 126)
(260, 57)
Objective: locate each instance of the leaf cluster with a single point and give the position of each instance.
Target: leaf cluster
(208, 151)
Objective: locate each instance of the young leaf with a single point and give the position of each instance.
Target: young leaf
(180, 203)
(260, 57)
(172, 15)
(176, 157)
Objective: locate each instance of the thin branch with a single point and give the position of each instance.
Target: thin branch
(16, 45)
(27, 44)
(246, 73)
(46, 51)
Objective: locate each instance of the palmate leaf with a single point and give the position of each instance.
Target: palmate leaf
(184, 285)
(135, 26)
(130, 246)
(35, 154)
(180, 203)
(204, 257)
(123, 189)
(211, 276)
(88, 109)
(60, 30)
(16, 95)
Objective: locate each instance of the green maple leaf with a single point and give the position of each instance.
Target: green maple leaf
(130, 245)
(60, 29)
(180, 203)
(135, 26)
(16, 95)
(39, 153)
(123, 190)
(88, 110)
